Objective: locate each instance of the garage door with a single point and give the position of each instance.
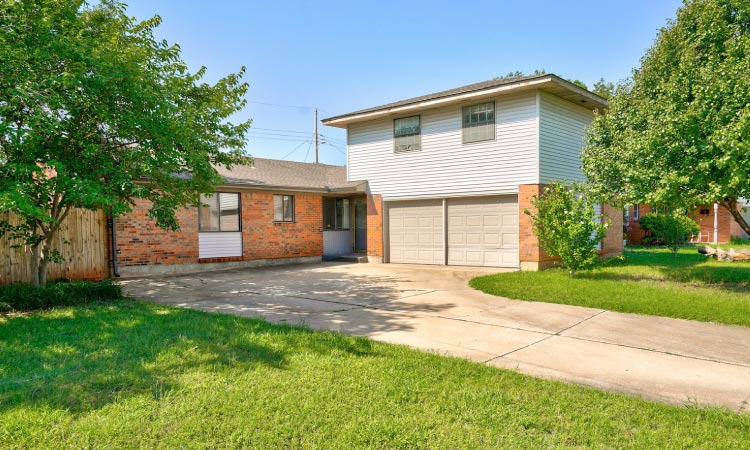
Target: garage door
(415, 232)
(483, 231)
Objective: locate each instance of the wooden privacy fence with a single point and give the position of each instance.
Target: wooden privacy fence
(82, 242)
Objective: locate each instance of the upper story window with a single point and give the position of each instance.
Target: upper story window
(283, 208)
(219, 212)
(479, 122)
(407, 134)
(636, 212)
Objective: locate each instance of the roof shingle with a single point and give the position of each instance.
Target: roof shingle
(274, 173)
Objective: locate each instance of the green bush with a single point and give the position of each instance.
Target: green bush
(671, 230)
(734, 240)
(566, 224)
(23, 297)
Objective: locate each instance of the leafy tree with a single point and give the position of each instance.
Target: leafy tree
(95, 113)
(566, 225)
(671, 230)
(678, 132)
(604, 89)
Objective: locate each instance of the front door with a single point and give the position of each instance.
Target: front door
(360, 225)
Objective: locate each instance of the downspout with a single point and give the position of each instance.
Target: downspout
(716, 223)
(113, 233)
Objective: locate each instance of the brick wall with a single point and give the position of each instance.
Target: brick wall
(375, 225)
(706, 222)
(727, 225)
(140, 242)
(262, 238)
(634, 231)
(532, 257)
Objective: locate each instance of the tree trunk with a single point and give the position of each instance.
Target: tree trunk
(34, 264)
(43, 264)
(730, 203)
(572, 273)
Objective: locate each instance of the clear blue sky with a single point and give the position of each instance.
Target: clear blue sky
(344, 56)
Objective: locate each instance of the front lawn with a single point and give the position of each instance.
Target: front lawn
(140, 375)
(644, 281)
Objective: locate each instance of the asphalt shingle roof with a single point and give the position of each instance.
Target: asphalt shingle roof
(456, 91)
(288, 174)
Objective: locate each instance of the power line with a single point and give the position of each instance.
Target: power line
(276, 129)
(269, 133)
(288, 106)
(308, 151)
(294, 150)
(278, 138)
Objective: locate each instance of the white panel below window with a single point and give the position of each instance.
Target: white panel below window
(219, 244)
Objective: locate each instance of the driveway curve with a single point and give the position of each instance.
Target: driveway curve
(432, 308)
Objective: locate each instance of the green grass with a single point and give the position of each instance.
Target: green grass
(644, 281)
(136, 374)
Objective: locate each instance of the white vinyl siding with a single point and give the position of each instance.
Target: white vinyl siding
(415, 232)
(483, 231)
(445, 166)
(219, 245)
(562, 128)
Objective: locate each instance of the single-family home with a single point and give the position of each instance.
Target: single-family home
(716, 223)
(441, 179)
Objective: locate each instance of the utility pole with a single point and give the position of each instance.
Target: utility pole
(316, 135)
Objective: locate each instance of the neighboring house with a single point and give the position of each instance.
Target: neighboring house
(717, 224)
(450, 174)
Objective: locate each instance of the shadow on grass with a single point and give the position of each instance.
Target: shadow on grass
(82, 359)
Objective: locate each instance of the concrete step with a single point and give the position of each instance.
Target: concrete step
(354, 258)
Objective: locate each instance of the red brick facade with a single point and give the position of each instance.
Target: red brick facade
(375, 225)
(532, 257)
(703, 215)
(262, 238)
(141, 242)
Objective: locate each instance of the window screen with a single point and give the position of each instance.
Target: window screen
(479, 122)
(407, 134)
(219, 212)
(283, 208)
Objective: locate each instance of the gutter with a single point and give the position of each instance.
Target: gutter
(113, 233)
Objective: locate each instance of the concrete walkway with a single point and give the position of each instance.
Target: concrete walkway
(432, 308)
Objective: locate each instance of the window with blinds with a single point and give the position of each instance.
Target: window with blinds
(407, 134)
(219, 212)
(479, 123)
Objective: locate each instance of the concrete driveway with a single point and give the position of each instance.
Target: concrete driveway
(432, 308)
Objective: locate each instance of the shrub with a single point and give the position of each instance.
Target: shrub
(671, 230)
(23, 297)
(567, 226)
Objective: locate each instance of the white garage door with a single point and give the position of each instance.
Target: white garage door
(483, 231)
(415, 232)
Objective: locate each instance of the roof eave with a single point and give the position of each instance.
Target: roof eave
(526, 84)
(267, 187)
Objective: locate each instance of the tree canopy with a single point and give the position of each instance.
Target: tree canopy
(95, 112)
(678, 132)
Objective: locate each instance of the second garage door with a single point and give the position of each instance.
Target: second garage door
(483, 231)
(415, 232)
